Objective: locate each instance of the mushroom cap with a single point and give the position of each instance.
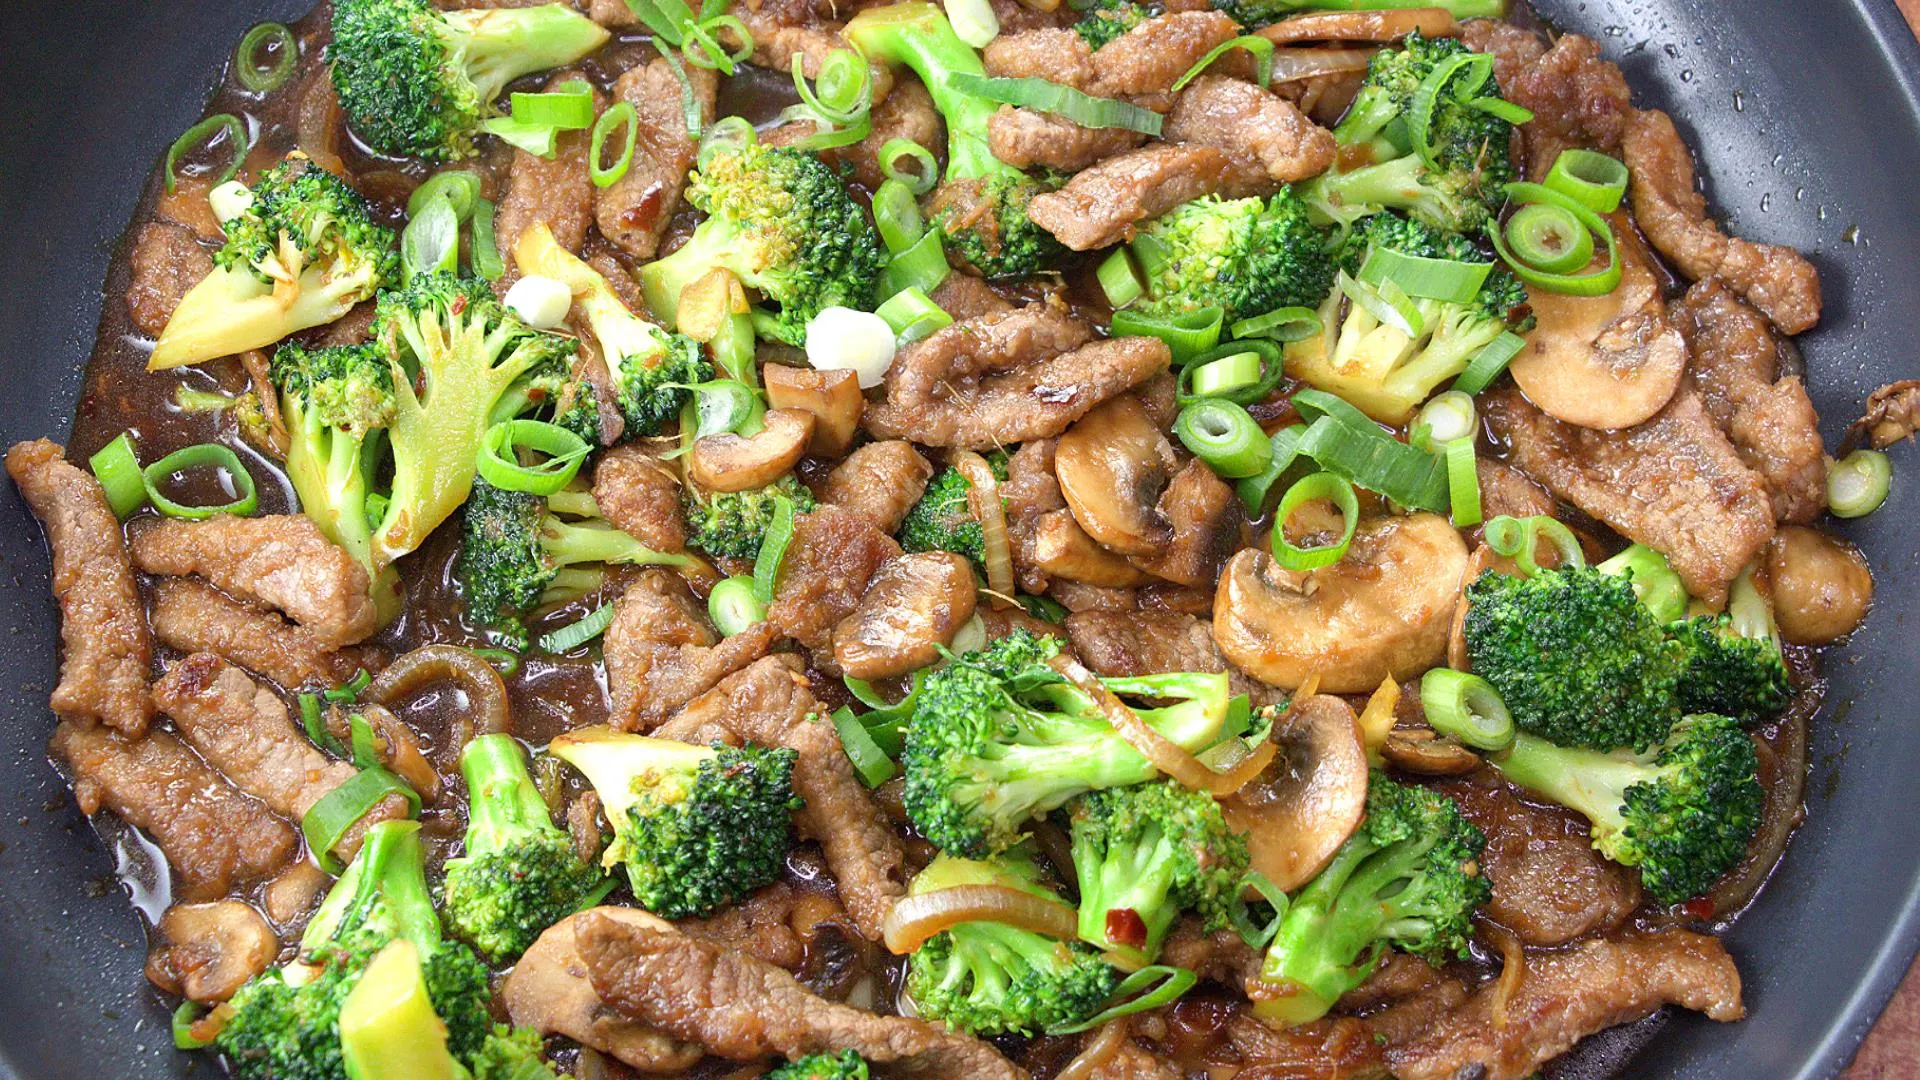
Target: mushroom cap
(1299, 811)
(832, 396)
(1062, 549)
(1113, 464)
(205, 952)
(740, 463)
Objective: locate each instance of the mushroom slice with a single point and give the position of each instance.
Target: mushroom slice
(1112, 466)
(1062, 549)
(833, 397)
(741, 463)
(205, 952)
(1821, 585)
(1419, 750)
(1604, 362)
(548, 991)
(1299, 811)
(1382, 612)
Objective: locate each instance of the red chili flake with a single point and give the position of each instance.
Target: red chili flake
(1700, 907)
(1126, 927)
(459, 305)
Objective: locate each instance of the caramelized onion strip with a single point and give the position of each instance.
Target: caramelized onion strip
(917, 918)
(1099, 1051)
(1292, 65)
(983, 500)
(1162, 752)
(486, 711)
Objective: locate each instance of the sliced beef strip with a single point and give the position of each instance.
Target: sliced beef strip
(1055, 54)
(167, 260)
(964, 296)
(1152, 56)
(879, 482)
(1207, 525)
(1736, 368)
(1128, 643)
(190, 616)
(830, 562)
(808, 29)
(1506, 491)
(1673, 214)
(1382, 26)
(640, 495)
(1243, 119)
(107, 656)
(1332, 1047)
(746, 1010)
(633, 212)
(557, 192)
(661, 653)
(1578, 98)
(1028, 139)
(281, 560)
(954, 357)
(215, 839)
(912, 609)
(1221, 956)
(1674, 483)
(759, 926)
(1566, 996)
(1100, 206)
(548, 991)
(1030, 494)
(1132, 1062)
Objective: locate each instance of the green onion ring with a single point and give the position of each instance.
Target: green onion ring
(205, 133)
(360, 736)
(1859, 483)
(620, 115)
(1592, 179)
(117, 467)
(896, 216)
(1516, 538)
(826, 136)
(1224, 436)
(1051, 97)
(1217, 378)
(1256, 936)
(575, 634)
(923, 266)
(1261, 49)
(843, 92)
(1188, 334)
(869, 761)
(430, 243)
(184, 1017)
(1388, 303)
(1321, 485)
(1466, 707)
(485, 254)
(887, 722)
(461, 187)
(732, 606)
(773, 550)
(1449, 416)
(1120, 279)
(504, 661)
(1174, 982)
(727, 135)
(1549, 238)
(1281, 324)
(913, 315)
(500, 466)
(1489, 363)
(203, 455)
(919, 179)
(721, 406)
(1454, 281)
(1463, 483)
(272, 41)
(327, 821)
(563, 110)
(1594, 283)
(1270, 355)
(689, 103)
(313, 720)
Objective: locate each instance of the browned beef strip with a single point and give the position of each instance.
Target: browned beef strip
(809, 29)
(1132, 1062)
(1206, 522)
(190, 616)
(1577, 97)
(746, 1010)
(1027, 139)
(1566, 996)
(879, 482)
(548, 991)
(1053, 53)
(1505, 490)
(167, 260)
(759, 926)
(1152, 56)
(964, 296)
(281, 560)
(661, 654)
(1674, 483)
(215, 839)
(634, 211)
(1099, 207)
(1380, 26)
(1736, 368)
(1332, 1048)
(1221, 956)
(640, 494)
(557, 192)
(912, 609)
(1243, 119)
(831, 560)
(103, 628)
(1129, 643)
(1031, 493)
(955, 357)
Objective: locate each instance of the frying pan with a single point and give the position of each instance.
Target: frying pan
(1806, 117)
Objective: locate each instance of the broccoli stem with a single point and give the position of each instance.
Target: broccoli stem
(390, 875)
(388, 1026)
(569, 544)
(1591, 782)
(1654, 581)
(715, 243)
(500, 45)
(1316, 955)
(1133, 878)
(503, 806)
(919, 36)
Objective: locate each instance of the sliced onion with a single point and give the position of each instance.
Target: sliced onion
(983, 501)
(1162, 752)
(1513, 968)
(1290, 65)
(1089, 1062)
(916, 918)
(1376, 720)
(428, 664)
(1380, 26)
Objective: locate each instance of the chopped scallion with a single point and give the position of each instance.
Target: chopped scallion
(1452, 281)
(1044, 96)
(1593, 179)
(1224, 436)
(1120, 279)
(733, 607)
(1592, 283)
(920, 176)
(575, 634)
(246, 498)
(1859, 483)
(485, 254)
(1261, 49)
(1173, 982)
(461, 187)
(869, 761)
(913, 315)
(1282, 324)
(1267, 367)
(1549, 238)
(267, 55)
(327, 821)
(1319, 486)
(117, 467)
(1188, 334)
(624, 117)
(1518, 539)
(1466, 707)
(1488, 364)
(1463, 482)
(773, 551)
(430, 244)
(206, 135)
(499, 461)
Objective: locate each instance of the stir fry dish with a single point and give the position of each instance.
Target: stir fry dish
(1137, 538)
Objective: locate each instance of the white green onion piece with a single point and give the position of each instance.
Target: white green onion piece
(840, 338)
(733, 607)
(973, 21)
(1467, 708)
(1449, 416)
(229, 200)
(541, 302)
(1859, 483)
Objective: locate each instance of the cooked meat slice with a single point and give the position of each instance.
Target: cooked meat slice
(745, 1009)
(1099, 207)
(661, 654)
(1549, 885)
(831, 560)
(783, 29)
(1505, 490)
(1052, 53)
(281, 560)
(1128, 643)
(1027, 139)
(1892, 414)
(964, 296)
(1222, 956)
(353, 328)
(759, 926)
(1030, 494)
(1673, 214)
(103, 629)
(1674, 483)
(548, 991)
(1578, 98)
(1131, 1062)
(167, 260)
(612, 14)
(1412, 1016)
(1514, 48)
(190, 616)
(634, 211)
(215, 839)
(1245, 120)
(1382, 26)
(1737, 370)
(1339, 1047)
(1152, 56)
(952, 359)
(640, 494)
(879, 482)
(912, 609)
(1566, 996)
(557, 192)
(907, 113)
(1207, 525)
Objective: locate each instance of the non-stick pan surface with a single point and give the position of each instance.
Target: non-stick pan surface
(1806, 117)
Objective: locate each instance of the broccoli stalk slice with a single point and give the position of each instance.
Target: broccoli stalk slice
(387, 1023)
(1654, 581)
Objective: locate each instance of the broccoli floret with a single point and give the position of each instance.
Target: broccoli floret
(732, 524)
(1654, 582)
(1106, 20)
(301, 255)
(337, 404)
(998, 737)
(1246, 256)
(1577, 658)
(1142, 855)
(464, 362)
(943, 518)
(1254, 14)
(989, 978)
(981, 207)
(519, 874)
(1728, 674)
(415, 81)
(784, 224)
(1408, 878)
(696, 827)
(845, 1065)
(511, 1054)
(1682, 812)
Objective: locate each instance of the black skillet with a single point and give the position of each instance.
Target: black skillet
(1806, 117)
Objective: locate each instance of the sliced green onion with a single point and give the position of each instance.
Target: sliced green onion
(826, 137)
(505, 661)
(666, 19)
(1229, 373)
(365, 754)
(1120, 279)
(1466, 707)
(703, 49)
(188, 1014)
(565, 110)
(1386, 302)
(499, 464)
(1592, 283)
(869, 761)
(575, 634)
(1453, 281)
(920, 176)
(1224, 436)
(721, 406)
(1857, 484)
(430, 244)
(1517, 538)
(1268, 356)
(1188, 334)
(205, 134)
(1256, 490)
(540, 140)
(896, 216)
(973, 21)
(1281, 324)
(1489, 363)
(1041, 95)
(117, 467)
(921, 266)
(461, 187)
(349, 691)
(267, 55)
(485, 254)
(1260, 48)
(773, 550)
(1502, 108)
(727, 135)
(203, 456)
(1257, 936)
(327, 821)
(1173, 983)
(1449, 416)
(1463, 483)
(188, 400)
(1592, 179)
(1320, 485)
(913, 315)
(843, 93)
(1466, 72)
(1549, 238)
(1370, 459)
(313, 720)
(886, 721)
(733, 607)
(689, 102)
(622, 116)
(1314, 404)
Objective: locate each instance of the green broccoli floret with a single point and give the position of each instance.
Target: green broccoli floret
(845, 1065)
(1245, 256)
(389, 1027)
(1144, 854)
(1254, 14)
(418, 82)
(512, 1054)
(696, 827)
(1728, 674)
(302, 254)
(337, 404)
(1682, 811)
(981, 206)
(1654, 582)
(1577, 658)
(732, 524)
(519, 874)
(1106, 20)
(998, 737)
(1408, 878)
(989, 978)
(943, 518)
(784, 224)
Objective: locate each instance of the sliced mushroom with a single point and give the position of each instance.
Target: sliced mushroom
(1112, 466)
(548, 991)
(1383, 611)
(1821, 585)
(1299, 811)
(914, 605)
(1419, 750)
(205, 952)
(1062, 549)
(833, 397)
(741, 463)
(1604, 362)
